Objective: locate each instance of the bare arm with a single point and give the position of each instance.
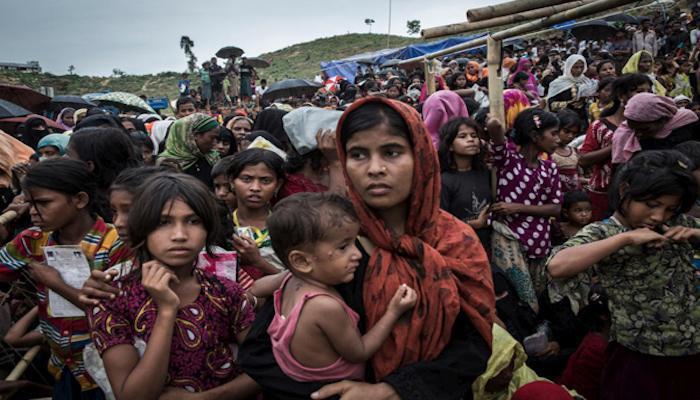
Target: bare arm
(595, 157)
(19, 334)
(242, 387)
(266, 286)
(547, 210)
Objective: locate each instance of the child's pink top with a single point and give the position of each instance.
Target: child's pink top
(281, 331)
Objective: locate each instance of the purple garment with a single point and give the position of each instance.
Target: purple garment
(203, 350)
(441, 107)
(518, 183)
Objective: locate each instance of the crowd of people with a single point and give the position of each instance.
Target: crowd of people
(375, 241)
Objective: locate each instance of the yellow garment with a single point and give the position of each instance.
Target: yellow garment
(632, 67)
(12, 152)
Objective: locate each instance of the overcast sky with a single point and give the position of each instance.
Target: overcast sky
(144, 36)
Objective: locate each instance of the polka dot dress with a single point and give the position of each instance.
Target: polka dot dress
(518, 183)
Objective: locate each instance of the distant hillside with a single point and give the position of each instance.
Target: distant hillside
(297, 61)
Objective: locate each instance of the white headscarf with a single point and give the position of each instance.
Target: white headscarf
(585, 86)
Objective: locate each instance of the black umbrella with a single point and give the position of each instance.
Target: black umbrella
(61, 102)
(229, 51)
(291, 88)
(256, 62)
(9, 110)
(624, 18)
(594, 30)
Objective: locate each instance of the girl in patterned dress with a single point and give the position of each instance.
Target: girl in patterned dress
(190, 320)
(643, 258)
(565, 156)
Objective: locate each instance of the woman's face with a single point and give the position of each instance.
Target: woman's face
(644, 65)
(461, 81)
(67, 118)
(207, 140)
(467, 142)
(255, 186)
(646, 130)
(180, 236)
(223, 147)
(607, 70)
(472, 69)
(240, 129)
(548, 141)
(380, 167)
(49, 152)
(577, 69)
(416, 81)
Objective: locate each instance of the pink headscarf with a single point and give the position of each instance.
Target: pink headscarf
(531, 85)
(439, 108)
(439, 85)
(647, 107)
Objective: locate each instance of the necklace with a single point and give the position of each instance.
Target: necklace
(260, 236)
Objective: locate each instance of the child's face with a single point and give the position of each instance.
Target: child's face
(605, 94)
(696, 109)
(580, 213)
(566, 135)
(223, 147)
(120, 203)
(255, 186)
(467, 142)
(179, 238)
(223, 192)
(651, 213)
(335, 259)
(147, 155)
(185, 110)
(51, 210)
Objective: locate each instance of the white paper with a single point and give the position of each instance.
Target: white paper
(74, 268)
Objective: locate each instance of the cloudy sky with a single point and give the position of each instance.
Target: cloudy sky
(144, 36)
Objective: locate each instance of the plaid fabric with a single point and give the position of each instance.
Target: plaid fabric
(66, 336)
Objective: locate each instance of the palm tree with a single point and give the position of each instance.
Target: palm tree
(186, 44)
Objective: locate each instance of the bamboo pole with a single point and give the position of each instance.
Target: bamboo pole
(463, 27)
(493, 59)
(511, 7)
(23, 363)
(429, 73)
(583, 11)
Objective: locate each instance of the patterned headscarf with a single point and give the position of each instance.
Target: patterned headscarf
(438, 256)
(181, 148)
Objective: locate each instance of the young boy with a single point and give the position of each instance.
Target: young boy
(577, 212)
(185, 106)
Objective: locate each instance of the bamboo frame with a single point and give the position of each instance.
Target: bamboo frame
(511, 7)
(23, 363)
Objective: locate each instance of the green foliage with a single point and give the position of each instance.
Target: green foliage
(413, 26)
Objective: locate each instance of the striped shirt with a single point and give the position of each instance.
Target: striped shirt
(66, 336)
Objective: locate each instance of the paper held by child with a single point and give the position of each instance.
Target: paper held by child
(71, 263)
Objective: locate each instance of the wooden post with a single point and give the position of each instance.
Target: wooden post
(23, 363)
(493, 59)
(511, 7)
(463, 27)
(429, 72)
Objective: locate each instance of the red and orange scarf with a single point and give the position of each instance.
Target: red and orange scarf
(439, 256)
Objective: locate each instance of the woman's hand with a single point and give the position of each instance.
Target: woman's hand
(644, 236)
(552, 349)
(681, 233)
(18, 205)
(156, 278)
(247, 250)
(97, 288)
(502, 209)
(351, 390)
(326, 144)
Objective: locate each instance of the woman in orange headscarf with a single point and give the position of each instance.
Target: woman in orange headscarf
(393, 178)
(476, 74)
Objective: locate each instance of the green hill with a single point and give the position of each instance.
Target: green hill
(297, 61)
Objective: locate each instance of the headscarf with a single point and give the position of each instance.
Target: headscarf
(181, 148)
(582, 83)
(473, 78)
(632, 67)
(57, 140)
(232, 121)
(514, 101)
(270, 120)
(439, 85)
(12, 152)
(29, 134)
(647, 107)
(531, 84)
(441, 107)
(59, 119)
(438, 256)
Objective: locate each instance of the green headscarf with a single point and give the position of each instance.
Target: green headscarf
(180, 146)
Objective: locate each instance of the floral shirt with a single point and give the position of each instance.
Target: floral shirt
(655, 309)
(203, 351)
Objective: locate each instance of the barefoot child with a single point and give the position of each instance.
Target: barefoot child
(314, 333)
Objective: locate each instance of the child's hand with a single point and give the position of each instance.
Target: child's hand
(97, 287)
(326, 144)
(247, 250)
(493, 126)
(681, 233)
(643, 236)
(404, 299)
(502, 209)
(156, 278)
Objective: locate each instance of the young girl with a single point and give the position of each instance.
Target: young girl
(61, 193)
(466, 181)
(643, 255)
(604, 101)
(529, 193)
(314, 333)
(255, 175)
(565, 156)
(189, 319)
(576, 213)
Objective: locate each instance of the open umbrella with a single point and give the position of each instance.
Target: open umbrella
(392, 62)
(24, 96)
(229, 51)
(624, 18)
(125, 102)
(60, 102)
(9, 109)
(291, 88)
(256, 62)
(594, 30)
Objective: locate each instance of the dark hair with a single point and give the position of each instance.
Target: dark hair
(108, 149)
(138, 124)
(473, 106)
(605, 82)
(652, 174)
(600, 66)
(221, 167)
(526, 129)
(448, 134)
(131, 178)
(576, 196)
(99, 120)
(622, 86)
(371, 115)
(520, 76)
(182, 100)
(250, 157)
(568, 119)
(452, 81)
(303, 219)
(225, 135)
(63, 175)
(270, 120)
(139, 139)
(690, 149)
(152, 197)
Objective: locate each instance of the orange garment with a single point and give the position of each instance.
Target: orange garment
(12, 152)
(438, 256)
